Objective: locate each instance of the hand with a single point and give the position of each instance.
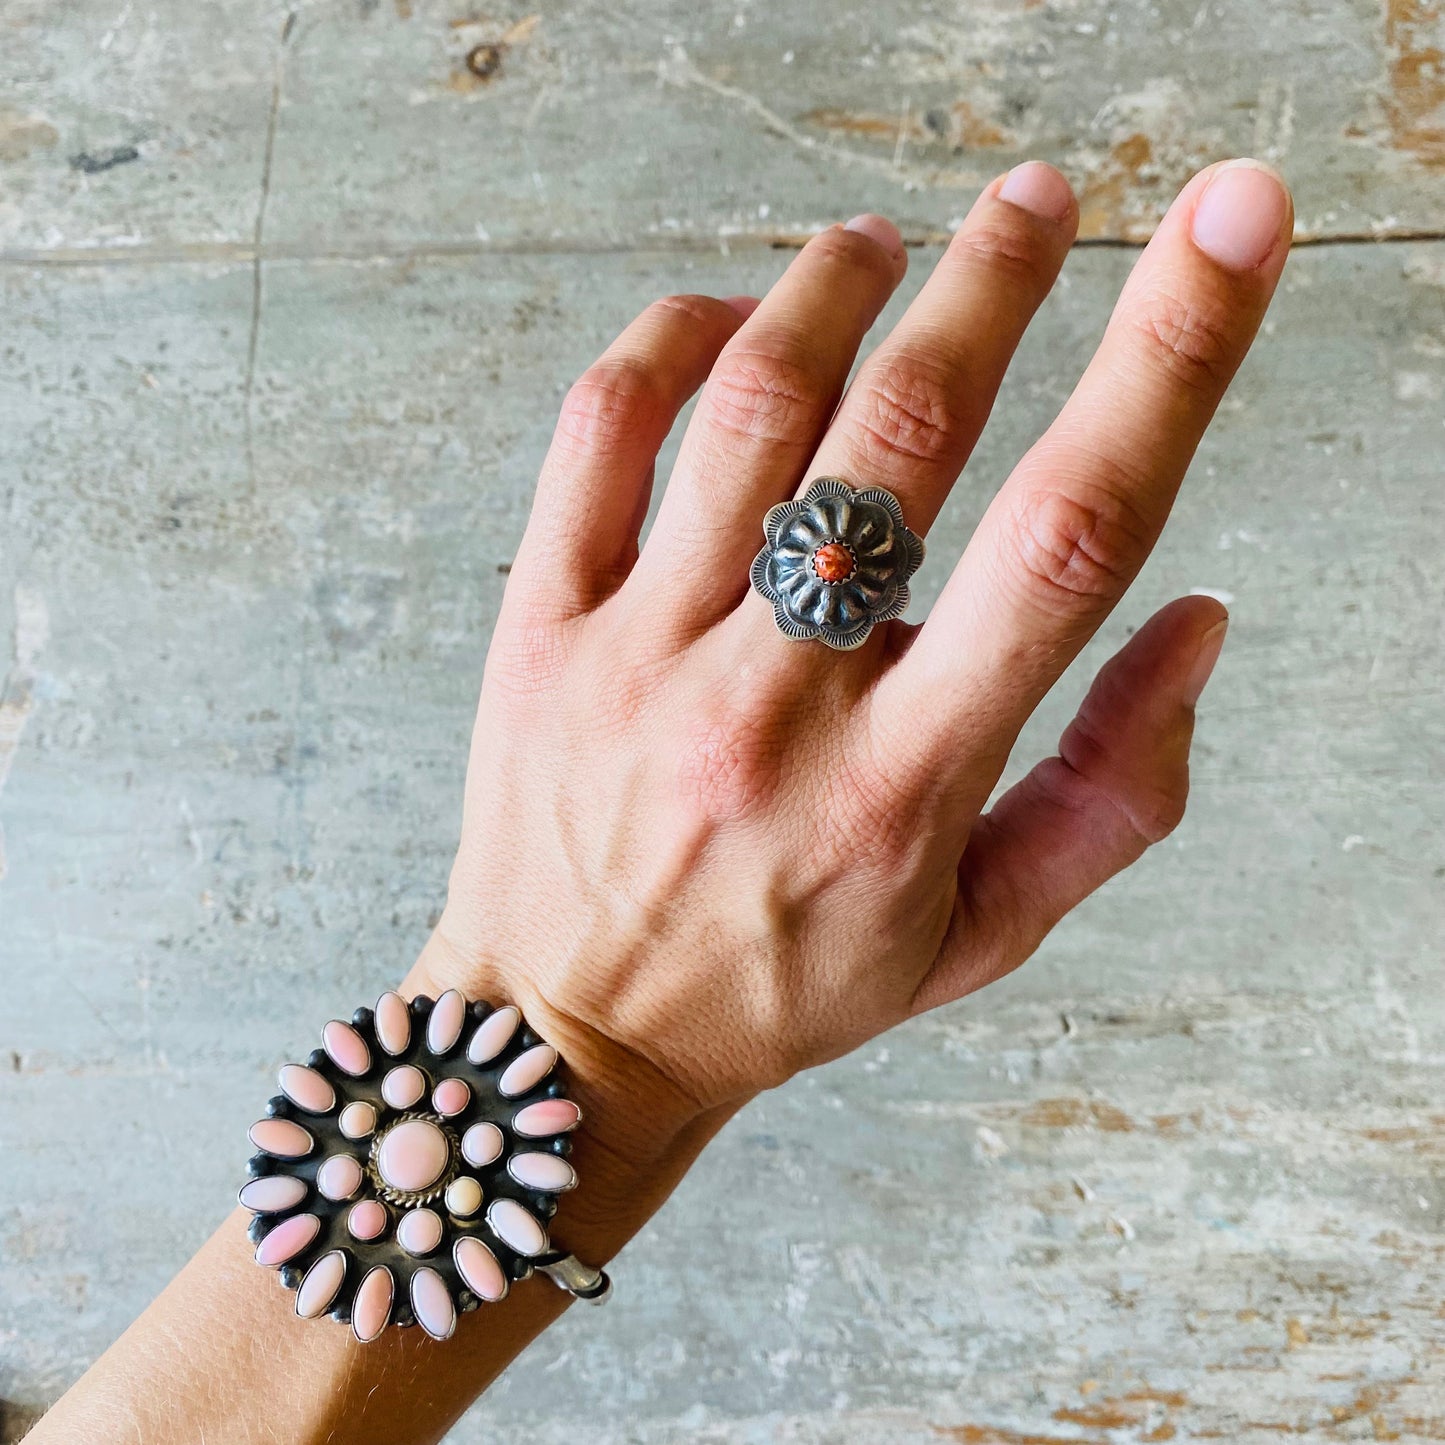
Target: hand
(703, 857)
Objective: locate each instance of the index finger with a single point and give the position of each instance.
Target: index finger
(1069, 530)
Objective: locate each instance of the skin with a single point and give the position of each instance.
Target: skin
(702, 857)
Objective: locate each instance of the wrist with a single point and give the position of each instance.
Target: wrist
(639, 1133)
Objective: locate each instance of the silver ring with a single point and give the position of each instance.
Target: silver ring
(836, 562)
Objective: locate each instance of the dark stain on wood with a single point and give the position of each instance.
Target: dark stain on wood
(94, 163)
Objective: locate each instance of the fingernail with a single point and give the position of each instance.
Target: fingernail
(1039, 189)
(1204, 661)
(1239, 219)
(881, 230)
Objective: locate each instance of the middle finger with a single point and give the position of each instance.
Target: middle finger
(919, 403)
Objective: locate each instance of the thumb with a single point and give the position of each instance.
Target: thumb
(1118, 784)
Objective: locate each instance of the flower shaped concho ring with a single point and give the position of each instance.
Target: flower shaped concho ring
(836, 562)
(407, 1170)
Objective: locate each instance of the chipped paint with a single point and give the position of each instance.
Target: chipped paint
(1415, 100)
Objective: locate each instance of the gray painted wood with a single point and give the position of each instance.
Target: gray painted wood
(134, 127)
(1180, 1173)
(1180, 1177)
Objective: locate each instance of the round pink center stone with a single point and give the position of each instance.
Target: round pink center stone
(413, 1155)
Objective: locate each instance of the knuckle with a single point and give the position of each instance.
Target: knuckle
(609, 403)
(729, 766)
(770, 397)
(1150, 802)
(1189, 342)
(527, 659)
(1160, 812)
(1077, 550)
(1007, 250)
(910, 411)
(842, 248)
(691, 310)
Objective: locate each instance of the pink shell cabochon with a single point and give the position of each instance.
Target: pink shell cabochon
(433, 1195)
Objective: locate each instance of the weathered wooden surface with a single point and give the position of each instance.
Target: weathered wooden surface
(1179, 1179)
(139, 127)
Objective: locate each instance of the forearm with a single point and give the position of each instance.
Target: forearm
(221, 1354)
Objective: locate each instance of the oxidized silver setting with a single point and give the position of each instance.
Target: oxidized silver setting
(408, 1170)
(836, 562)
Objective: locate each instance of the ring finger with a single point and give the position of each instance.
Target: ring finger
(759, 418)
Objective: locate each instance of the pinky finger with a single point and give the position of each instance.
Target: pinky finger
(1117, 785)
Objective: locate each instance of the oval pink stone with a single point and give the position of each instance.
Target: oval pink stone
(420, 1231)
(367, 1220)
(413, 1155)
(284, 1138)
(346, 1048)
(550, 1116)
(516, 1228)
(542, 1171)
(319, 1287)
(527, 1070)
(432, 1301)
(402, 1087)
(357, 1119)
(478, 1266)
(372, 1307)
(288, 1239)
(482, 1143)
(444, 1027)
(493, 1034)
(450, 1097)
(339, 1177)
(393, 1022)
(307, 1089)
(272, 1193)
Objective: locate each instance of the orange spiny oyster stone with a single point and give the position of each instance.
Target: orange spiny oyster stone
(834, 562)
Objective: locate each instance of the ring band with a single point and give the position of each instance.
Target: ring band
(836, 562)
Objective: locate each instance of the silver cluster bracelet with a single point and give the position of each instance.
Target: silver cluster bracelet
(407, 1170)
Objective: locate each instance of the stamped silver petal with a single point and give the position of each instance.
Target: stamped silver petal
(758, 574)
(871, 531)
(846, 641)
(776, 516)
(895, 608)
(827, 487)
(852, 608)
(809, 528)
(884, 499)
(791, 626)
(803, 600)
(867, 590)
